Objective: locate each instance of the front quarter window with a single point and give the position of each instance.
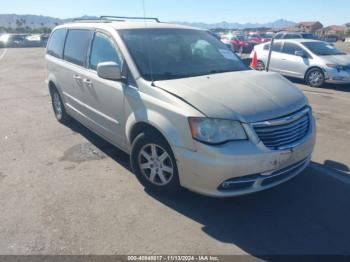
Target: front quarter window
(103, 50)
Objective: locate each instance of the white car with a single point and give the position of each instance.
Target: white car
(314, 61)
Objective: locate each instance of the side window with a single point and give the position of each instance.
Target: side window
(292, 36)
(290, 48)
(103, 50)
(276, 47)
(77, 45)
(278, 36)
(56, 43)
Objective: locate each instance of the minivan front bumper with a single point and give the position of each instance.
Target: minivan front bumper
(241, 167)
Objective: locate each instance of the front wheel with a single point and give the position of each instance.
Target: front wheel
(154, 164)
(315, 77)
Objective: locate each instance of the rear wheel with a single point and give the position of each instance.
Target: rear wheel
(260, 66)
(58, 107)
(315, 77)
(154, 164)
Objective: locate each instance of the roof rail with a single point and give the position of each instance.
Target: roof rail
(89, 20)
(122, 18)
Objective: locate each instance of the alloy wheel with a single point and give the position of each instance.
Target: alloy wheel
(155, 164)
(316, 78)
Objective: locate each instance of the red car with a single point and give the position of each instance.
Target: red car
(238, 43)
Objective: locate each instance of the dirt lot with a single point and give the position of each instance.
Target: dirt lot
(63, 190)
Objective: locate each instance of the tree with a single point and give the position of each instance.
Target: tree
(18, 22)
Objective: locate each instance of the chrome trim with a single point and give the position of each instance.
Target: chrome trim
(284, 120)
(278, 172)
(280, 122)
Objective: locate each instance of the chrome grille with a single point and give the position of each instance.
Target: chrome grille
(285, 132)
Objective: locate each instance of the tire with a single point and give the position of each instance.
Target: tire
(315, 77)
(58, 107)
(260, 66)
(154, 164)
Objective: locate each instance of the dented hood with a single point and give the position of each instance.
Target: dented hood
(248, 96)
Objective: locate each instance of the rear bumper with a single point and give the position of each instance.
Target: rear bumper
(243, 166)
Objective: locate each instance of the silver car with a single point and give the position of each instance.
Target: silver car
(314, 61)
(182, 104)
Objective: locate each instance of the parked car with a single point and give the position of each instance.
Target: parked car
(32, 41)
(239, 44)
(12, 40)
(258, 38)
(182, 104)
(295, 35)
(314, 61)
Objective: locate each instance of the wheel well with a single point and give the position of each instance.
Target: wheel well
(52, 86)
(143, 127)
(314, 67)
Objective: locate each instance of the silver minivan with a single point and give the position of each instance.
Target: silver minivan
(182, 104)
(316, 62)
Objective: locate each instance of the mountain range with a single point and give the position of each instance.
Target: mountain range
(35, 21)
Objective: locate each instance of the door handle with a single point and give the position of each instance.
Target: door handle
(87, 82)
(77, 77)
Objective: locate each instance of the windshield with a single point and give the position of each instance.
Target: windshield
(322, 48)
(162, 54)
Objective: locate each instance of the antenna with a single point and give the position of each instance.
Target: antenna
(270, 53)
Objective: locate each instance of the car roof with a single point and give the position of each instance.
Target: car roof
(118, 25)
(299, 40)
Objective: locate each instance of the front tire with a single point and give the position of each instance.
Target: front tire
(315, 77)
(58, 107)
(154, 164)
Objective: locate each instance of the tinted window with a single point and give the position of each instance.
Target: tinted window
(162, 54)
(292, 36)
(103, 50)
(290, 48)
(77, 44)
(322, 48)
(56, 43)
(276, 47)
(278, 36)
(309, 36)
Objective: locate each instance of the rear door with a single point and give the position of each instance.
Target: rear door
(75, 54)
(291, 64)
(105, 98)
(275, 55)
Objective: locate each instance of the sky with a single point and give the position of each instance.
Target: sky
(210, 11)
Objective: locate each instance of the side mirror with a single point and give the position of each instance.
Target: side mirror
(300, 53)
(109, 71)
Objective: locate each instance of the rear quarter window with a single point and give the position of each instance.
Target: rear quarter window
(77, 45)
(276, 47)
(56, 43)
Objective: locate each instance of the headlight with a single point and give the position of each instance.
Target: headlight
(338, 67)
(216, 131)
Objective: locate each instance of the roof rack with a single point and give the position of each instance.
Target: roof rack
(109, 19)
(90, 20)
(123, 18)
